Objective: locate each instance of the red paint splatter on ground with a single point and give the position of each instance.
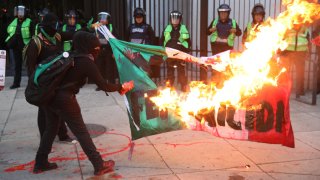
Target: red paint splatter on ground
(187, 144)
(116, 176)
(24, 167)
(29, 166)
(82, 156)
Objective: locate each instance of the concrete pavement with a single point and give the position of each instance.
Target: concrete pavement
(181, 154)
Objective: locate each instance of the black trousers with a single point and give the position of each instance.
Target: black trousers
(17, 53)
(216, 48)
(62, 132)
(173, 64)
(107, 65)
(65, 107)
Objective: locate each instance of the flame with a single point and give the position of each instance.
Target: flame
(247, 72)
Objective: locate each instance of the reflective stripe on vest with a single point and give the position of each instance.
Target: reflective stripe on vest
(184, 35)
(36, 32)
(25, 30)
(67, 44)
(231, 36)
(249, 32)
(297, 41)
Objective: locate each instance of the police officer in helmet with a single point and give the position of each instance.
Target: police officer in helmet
(105, 60)
(19, 34)
(70, 26)
(140, 32)
(258, 14)
(176, 35)
(41, 15)
(223, 31)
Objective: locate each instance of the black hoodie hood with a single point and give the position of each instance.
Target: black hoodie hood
(85, 43)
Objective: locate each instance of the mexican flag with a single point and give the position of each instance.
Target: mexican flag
(265, 119)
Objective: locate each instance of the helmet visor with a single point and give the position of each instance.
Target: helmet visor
(175, 18)
(20, 11)
(103, 17)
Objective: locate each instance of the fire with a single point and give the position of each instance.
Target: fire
(247, 72)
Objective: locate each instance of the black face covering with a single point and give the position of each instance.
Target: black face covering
(86, 43)
(50, 31)
(50, 24)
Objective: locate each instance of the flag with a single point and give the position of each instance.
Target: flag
(265, 119)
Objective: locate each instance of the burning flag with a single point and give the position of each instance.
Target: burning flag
(251, 101)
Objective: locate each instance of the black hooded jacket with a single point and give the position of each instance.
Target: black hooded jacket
(84, 67)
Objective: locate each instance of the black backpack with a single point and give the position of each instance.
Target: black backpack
(47, 77)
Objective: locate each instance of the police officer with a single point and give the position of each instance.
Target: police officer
(258, 13)
(105, 60)
(223, 31)
(140, 32)
(41, 14)
(176, 35)
(70, 26)
(19, 34)
(295, 54)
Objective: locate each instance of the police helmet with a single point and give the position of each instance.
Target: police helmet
(258, 9)
(20, 11)
(104, 16)
(176, 15)
(43, 12)
(71, 14)
(224, 8)
(139, 12)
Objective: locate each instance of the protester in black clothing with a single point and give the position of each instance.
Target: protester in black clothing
(64, 105)
(176, 36)
(20, 31)
(105, 59)
(48, 43)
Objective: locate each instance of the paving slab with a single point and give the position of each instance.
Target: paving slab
(267, 153)
(218, 174)
(311, 138)
(304, 167)
(282, 176)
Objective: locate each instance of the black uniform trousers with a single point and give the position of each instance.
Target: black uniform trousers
(65, 107)
(17, 53)
(107, 64)
(173, 64)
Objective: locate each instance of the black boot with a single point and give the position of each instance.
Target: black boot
(44, 167)
(107, 167)
(14, 86)
(42, 164)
